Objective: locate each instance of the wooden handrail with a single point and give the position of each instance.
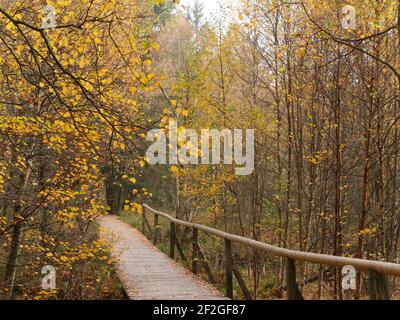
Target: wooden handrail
(385, 268)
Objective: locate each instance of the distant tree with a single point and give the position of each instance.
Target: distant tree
(195, 15)
(164, 11)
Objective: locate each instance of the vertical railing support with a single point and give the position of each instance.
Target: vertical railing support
(144, 221)
(172, 241)
(378, 286)
(156, 229)
(229, 269)
(293, 292)
(194, 251)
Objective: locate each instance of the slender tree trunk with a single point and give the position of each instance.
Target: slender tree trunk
(11, 266)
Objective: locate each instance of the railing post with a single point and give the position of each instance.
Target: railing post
(194, 251)
(155, 239)
(229, 269)
(144, 221)
(293, 292)
(172, 241)
(378, 286)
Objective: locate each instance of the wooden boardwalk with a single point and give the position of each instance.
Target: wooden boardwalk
(148, 274)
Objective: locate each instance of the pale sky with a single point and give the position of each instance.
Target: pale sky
(210, 6)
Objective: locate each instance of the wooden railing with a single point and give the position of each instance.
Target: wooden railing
(378, 271)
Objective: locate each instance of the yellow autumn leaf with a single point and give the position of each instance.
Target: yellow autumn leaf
(156, 46)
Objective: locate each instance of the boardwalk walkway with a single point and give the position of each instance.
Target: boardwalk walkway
(148, 274)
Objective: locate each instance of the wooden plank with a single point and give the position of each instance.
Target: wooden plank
(194, 251)
(172, 240)
(293, 292)
(228, 269)
(155, 237)
(207, 268)
(147, 273)
(242, 284)
(143, 220)
(148, 226)
(378, 286)
(180, 250)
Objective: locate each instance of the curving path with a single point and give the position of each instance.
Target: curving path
(148, 274)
